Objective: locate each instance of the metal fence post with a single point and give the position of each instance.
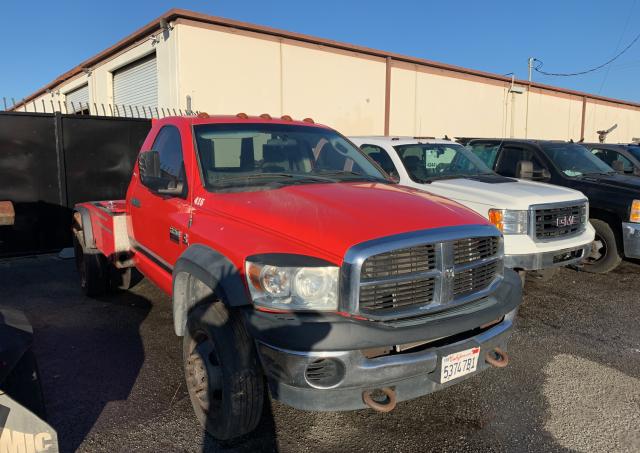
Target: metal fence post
(62, 173)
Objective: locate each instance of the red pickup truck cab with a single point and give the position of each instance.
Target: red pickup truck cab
(295, 264)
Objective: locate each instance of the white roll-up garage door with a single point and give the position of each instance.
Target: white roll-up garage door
(137, 83)
(78, 99)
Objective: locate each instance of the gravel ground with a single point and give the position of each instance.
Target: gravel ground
(113, 380)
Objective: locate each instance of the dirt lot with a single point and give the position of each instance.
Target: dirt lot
(113, 377)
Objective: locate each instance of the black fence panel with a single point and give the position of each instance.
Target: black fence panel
(31, 176)
(49, 162)
(99, 155)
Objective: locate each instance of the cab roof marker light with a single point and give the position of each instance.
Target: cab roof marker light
(203, 115)
(286, 118)
(242, 115)
(309, 120)
(265, 116)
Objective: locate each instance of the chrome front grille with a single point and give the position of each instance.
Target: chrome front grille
(475, 279)
(415, 274)
(385, 297)
(398, 262)
(559, 221)
(473, 249)
(480, 277)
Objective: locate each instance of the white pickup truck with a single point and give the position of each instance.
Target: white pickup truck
(544, 226)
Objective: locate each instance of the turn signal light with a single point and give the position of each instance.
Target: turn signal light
(496, 216)
(634, 216)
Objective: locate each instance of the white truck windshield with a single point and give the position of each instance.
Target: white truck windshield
(429, 161)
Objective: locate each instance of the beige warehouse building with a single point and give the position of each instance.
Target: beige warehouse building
(190, 61)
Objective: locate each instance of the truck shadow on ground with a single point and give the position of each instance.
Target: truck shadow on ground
(89, 351)
(113, 379)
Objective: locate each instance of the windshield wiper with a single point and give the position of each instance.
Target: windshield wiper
(352, 175)
(599, 173)
(440, 178)
(291, 178)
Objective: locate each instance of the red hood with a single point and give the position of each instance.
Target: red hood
(334, 217)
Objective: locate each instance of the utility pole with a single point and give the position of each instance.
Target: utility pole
(526, 117)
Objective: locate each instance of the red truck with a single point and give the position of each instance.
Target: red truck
(296, 264)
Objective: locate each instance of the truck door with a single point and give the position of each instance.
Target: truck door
(510, 155)
(160, 221)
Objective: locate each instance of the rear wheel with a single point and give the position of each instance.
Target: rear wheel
(92, 266)
(605, 255)
(222, 372)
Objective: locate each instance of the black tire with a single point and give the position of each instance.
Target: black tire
(223, 376)
(605, 254)
(92, 267)
(124, 279)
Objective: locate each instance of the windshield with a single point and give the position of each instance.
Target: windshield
(634, 150)
(428, 161)
(575, 160)
(244, 155)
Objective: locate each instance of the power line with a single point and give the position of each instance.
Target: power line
(569, 74)
(624, 30)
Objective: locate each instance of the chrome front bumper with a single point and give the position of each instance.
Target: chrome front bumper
(631, 239)
(544, 260)
(410, 374)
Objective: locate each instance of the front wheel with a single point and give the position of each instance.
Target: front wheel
(223, 375)
(605, 255)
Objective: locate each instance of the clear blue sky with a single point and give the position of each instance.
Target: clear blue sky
(40, 40)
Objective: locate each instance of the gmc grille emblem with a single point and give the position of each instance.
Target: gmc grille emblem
(566, 220)
(449, 273)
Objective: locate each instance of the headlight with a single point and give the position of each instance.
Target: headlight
(510, 222)
(634, 216)
(293, 288)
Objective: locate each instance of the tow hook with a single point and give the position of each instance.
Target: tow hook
(386, 406)
(497, 358)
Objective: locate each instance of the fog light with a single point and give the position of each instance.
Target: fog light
(324, 373)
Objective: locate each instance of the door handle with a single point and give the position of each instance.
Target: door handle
(136, 203)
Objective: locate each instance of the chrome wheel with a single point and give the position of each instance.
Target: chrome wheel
(598, 250)
(204, 373)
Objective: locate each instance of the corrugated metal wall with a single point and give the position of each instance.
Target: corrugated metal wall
(137, 83)
(77, 98)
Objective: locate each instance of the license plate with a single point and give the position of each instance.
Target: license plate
(459, 364)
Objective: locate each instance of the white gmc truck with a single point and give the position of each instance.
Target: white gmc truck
(544, 226)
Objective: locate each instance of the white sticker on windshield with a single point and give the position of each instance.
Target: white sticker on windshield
(572, 173)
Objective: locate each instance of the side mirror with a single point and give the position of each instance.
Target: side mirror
(545, 175)
(618, 166)
(151, 176)
(524, 169)
(395, 177)
(149, 163)
(636, 171)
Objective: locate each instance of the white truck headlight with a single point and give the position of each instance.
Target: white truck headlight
(509, 221)
(293, 288)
